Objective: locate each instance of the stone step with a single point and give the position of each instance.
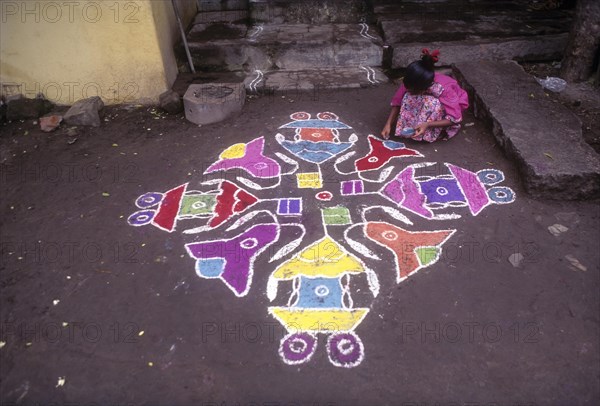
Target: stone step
(429, 13)
(289, 82)
(228, 17)
(544, 138)
(439, 7)
(530, 48)
(231, 47)
(309, 11)
(417, 28)
(222, 5)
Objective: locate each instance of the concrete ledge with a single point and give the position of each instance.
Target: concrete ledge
(544, 138)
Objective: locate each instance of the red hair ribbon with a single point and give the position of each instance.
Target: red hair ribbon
(434, 54)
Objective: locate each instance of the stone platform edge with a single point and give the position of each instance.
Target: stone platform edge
(561, 186)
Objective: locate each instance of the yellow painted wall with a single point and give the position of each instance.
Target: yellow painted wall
(119, 50)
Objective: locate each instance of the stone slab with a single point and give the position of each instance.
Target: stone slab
(211, 103)
(536, 48)
(543, 138)
(288, 82)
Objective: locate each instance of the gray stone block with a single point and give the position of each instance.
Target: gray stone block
(85, 112)
(170, 102)
(543, 138)
(214, 102)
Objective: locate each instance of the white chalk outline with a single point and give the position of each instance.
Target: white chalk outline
(370, 74)
(259, 77)
(357, 246)
(290, 247)
(364, 32)
(254, 34)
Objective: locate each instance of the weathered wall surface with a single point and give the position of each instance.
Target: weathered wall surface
(119, 50)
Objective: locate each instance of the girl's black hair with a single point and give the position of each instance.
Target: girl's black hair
(419, 74)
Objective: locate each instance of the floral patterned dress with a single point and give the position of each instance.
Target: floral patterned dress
(443, 100)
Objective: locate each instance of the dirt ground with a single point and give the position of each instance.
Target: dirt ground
(94, 311)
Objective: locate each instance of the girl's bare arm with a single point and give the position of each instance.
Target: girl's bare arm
(392, 118)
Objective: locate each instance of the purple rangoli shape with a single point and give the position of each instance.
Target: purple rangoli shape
(248, 157)
(232, 260)
(406, 193)
(474, 191)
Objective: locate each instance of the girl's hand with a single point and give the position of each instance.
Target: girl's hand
(421, 128)
(385, 133)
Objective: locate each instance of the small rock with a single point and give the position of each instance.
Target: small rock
(170, 102)
(575, 264)
(21, 108)
(85, 112)
(50, 122)
(516, 259)
(557, 229)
